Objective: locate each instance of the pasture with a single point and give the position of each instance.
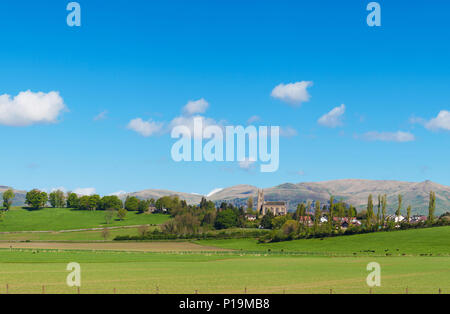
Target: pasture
(28, 271)
(434, 241)
(56, 219)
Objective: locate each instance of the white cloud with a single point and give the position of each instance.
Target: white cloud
(84, 191)
(197, 106)
(333, 118)
(293, 93)
(214, 192)
(441, 122)
(253, 119)
(118, 193)
(101, 116)
(145, 128)
(28, 108)
(247, 164)
(288, 132)
(389, 136)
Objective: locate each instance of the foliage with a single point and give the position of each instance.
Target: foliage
(121, 213)
(111, 202)
(132, 203)
(36, 199)
(226, 219)
(8, 197)
(57, 199)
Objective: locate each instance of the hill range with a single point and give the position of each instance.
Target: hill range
(352, 191)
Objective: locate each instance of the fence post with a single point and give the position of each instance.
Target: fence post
(331, 291)
(157, 290)
(43, 289)
(78, 290)
(245, 291)
(370, 291)
(7, 288)
(406, 290)
(440, 291)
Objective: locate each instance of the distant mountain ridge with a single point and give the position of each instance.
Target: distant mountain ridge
(352, 191)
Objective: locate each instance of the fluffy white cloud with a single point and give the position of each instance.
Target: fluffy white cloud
(118, 193)
(145, 128)
(441, 122)
(28, 108)
(84, 191)
(197, 106)
(293, 93)
(333, 118)
(389, 136)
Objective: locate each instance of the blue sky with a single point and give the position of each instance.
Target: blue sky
(148, 59)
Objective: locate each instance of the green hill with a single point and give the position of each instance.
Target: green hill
(56, 219)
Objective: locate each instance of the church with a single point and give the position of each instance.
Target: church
(277, 208)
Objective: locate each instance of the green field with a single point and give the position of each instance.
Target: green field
(415, 259)
(434, 241)
(56, 219)
(102, 272)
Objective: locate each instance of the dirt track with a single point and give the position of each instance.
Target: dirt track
(122, 246)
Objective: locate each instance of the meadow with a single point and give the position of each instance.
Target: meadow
(35, 271)
(56, 219)
(416, 260)
(434, 241)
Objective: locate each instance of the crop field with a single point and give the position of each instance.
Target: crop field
(38, 271)
(56, 219)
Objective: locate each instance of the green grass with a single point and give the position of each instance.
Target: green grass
(102, 272)
(411, 242)
(56, 219)
(79, 236)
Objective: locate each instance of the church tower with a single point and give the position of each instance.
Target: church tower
(260, 202)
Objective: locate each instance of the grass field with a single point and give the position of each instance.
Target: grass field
(212, 266)
(102, 272)
(56, 219)
(434, 241)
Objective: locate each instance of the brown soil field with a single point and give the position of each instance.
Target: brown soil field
(122, 246)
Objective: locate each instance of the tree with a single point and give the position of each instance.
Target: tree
(379, 209)
(105, 233)
(267, 220)
(8, 197)
(226, 219)
(384, 208)
(132, 203)
(317, 215)
(144, 206)
(399, 208)
(370, 210)
(250, 203)
(36, 199)
(72, 201)
(57, 199)
(432, 206)
(109, 215)
(408, 214)
(111, 202)
(122, 213)
(94, 202)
